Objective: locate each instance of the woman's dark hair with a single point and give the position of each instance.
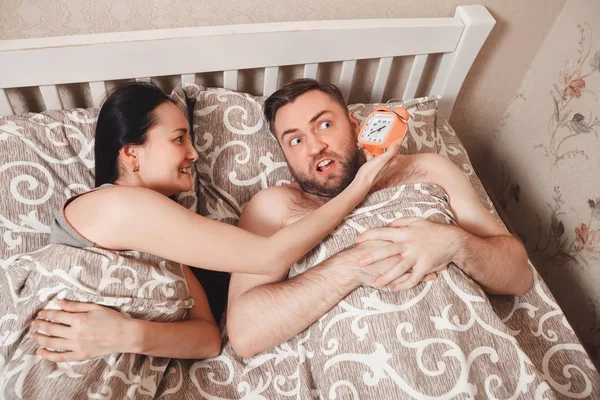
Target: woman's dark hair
(124, 119)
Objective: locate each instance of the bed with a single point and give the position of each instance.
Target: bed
(46, 157)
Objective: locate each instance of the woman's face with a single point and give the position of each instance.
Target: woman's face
(166, 158)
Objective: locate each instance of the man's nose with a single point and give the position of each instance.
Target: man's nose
(315, 145)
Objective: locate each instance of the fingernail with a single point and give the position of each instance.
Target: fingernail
(363, 261)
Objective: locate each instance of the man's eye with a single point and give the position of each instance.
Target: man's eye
(294, 141)
(324, 125)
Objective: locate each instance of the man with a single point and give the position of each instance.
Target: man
(318, 136)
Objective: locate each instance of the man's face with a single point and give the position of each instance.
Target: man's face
(318, 139)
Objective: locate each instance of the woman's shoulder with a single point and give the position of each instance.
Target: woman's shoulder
(114, 195)
(113, 203)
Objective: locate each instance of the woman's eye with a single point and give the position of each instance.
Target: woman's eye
(179, 139)
(294, 141)
(324, 125)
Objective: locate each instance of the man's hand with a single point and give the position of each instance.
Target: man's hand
(419, 248)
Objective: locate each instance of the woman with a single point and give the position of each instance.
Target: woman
(144, 154)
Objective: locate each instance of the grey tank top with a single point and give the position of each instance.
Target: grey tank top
(62, 232)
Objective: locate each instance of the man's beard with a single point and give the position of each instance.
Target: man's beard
(348, 166)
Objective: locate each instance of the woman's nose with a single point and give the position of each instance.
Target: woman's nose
(193, 154)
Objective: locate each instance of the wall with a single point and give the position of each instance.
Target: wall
(546, 172)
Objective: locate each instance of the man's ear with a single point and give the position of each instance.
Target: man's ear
(353, 122)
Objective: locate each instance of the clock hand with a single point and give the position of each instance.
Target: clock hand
(377, 130)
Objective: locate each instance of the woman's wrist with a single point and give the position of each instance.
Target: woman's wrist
(359, 188)
(135, 334)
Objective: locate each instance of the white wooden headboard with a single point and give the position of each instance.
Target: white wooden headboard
(97, 58)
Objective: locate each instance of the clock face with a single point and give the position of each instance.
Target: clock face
(377, 128)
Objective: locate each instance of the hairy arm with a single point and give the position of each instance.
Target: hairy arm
(479, 245)
(483, 248)
(293, 304)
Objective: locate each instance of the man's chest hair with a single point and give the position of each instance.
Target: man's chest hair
(408, 172)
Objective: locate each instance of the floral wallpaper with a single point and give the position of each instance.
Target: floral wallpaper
(547, 181)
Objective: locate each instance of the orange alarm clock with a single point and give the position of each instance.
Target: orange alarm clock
(383, 127)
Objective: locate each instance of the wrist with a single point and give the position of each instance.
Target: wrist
(458, 239)
(346, 270)
(135, 332)
(359, 188)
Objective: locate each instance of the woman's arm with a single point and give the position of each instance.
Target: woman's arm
(88, 331)
(199, 337)
(143, 220)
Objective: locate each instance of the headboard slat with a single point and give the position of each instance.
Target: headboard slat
(230, 79)
(346, 78)
(98, 90)
(414, 77)
(270, 85)
(381, 78)
(51, 97)
(310, 70)
(188, 78)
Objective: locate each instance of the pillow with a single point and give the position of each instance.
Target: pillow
(45, 159)
(239, 157)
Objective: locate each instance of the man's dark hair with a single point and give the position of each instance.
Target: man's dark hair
(294, 89)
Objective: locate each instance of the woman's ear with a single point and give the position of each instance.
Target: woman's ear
(129, 156)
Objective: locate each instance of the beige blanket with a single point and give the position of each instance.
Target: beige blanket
(441, 340)
(141, 285)
(444, 339)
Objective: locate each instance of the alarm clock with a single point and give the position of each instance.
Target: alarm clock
(383, 127)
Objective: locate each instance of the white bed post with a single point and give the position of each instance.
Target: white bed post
(454, 66)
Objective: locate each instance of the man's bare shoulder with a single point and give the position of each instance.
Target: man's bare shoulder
(422, 167)
(269, 208)
(442, 172)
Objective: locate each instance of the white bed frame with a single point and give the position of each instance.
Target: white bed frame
(97, 58)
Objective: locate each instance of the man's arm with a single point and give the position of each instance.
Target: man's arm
(479, 245)
(265, 311)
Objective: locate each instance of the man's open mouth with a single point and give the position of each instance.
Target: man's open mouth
(325, 165)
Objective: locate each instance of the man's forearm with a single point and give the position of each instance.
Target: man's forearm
(498, 264)
(271, 314)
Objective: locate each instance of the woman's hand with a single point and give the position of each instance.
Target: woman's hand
(376, 166)
(83, 331)
(425, 248)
